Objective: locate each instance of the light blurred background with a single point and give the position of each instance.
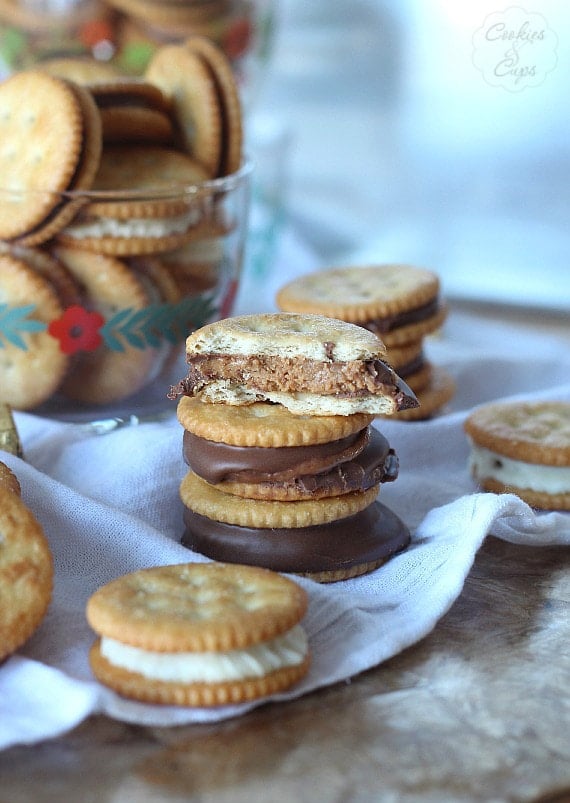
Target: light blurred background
(391, 142)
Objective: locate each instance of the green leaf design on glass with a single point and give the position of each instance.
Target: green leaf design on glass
(12, 45)
(14, 321)
(134, 57)
(143, 328)
(147, 327)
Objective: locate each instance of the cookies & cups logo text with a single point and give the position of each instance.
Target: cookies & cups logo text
(515, 49)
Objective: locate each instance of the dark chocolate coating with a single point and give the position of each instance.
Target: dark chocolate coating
(215, 461)
(356, 462)
(374, 533)
(380, 326)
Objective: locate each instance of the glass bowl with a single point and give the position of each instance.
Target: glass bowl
(94, 314)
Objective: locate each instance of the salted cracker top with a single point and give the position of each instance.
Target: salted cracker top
(314, 337)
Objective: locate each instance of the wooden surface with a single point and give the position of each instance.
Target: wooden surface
(477, 711)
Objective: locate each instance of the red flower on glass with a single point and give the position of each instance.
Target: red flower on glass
(94, 32)
(77, 330)
(238, 39)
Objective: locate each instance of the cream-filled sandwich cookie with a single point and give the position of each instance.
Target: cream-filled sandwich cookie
(140, 203)
(199, 634)
(523, 448)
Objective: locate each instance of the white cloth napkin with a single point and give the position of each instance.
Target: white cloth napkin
(109, 504)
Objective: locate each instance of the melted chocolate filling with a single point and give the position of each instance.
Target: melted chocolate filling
(356, 462)
(382, 325)
(113, 100)
(374, 533)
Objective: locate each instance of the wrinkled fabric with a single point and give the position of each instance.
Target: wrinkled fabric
(109, 505)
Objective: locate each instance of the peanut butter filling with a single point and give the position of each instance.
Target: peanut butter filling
(294, 375)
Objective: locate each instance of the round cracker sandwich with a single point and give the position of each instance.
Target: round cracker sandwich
(523, 448)
(199, 81)
(262, 451)
(186, 80)
(139, 205)
(399, 303)
(310, 364)
(51, 134)
(228, 97)
(199, 634)
(328, 540)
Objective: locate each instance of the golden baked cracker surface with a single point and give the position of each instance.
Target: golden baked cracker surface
(26, 572)
(146, 167)
(83, 176)
(41, 138)
(196, 607)
(29, 376)
(338, 575)
(187, 81)
(315, 337)
(535, 432)
(50, 268)
(205, 499)
(228, 93)
(264, 425)
(537, 499)
(359, 293)
(81, 70)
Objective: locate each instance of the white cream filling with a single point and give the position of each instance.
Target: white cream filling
(135, 227)
(484, 463)
(290, 649)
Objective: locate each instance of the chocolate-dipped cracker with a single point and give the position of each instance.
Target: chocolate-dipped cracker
(285, 466)
(331, 455)
(326, 539)
(399, 303)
